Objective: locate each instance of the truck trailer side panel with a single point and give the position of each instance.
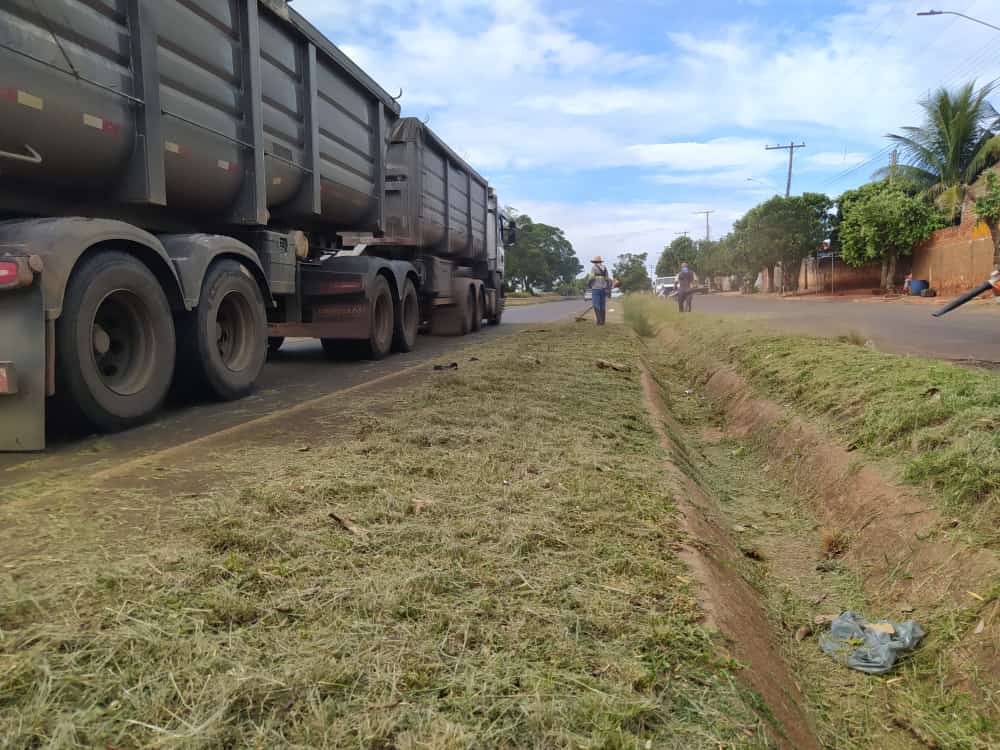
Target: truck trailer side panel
(250, 114)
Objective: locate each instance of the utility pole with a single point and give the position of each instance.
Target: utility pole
(708, 232)
(791, 157)
(677, 234)
(892, 164)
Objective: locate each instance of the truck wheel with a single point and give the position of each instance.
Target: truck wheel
(115, 344)
(480, 310)
(497, 283)
(495, 318)
(224, 341)
(379, 342)
(407, 319)
(274, 343)
(472, 311)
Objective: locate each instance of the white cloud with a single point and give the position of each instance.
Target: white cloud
(611, 229)
(716, 153)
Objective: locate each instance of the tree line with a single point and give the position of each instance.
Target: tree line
(541, 259)
(877, 222)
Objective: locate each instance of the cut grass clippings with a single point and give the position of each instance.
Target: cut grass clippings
(489, 564)
(939, 423)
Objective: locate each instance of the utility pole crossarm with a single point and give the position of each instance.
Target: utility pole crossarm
(708, 232)
(791, 157)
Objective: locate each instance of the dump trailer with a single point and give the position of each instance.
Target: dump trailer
(184, 183)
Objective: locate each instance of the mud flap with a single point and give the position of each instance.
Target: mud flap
(22, 361)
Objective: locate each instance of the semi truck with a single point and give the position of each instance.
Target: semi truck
(185, 183)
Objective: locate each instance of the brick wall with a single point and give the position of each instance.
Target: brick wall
(956, 258)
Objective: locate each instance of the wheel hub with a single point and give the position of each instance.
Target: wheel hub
(122, 343)
(233, 332)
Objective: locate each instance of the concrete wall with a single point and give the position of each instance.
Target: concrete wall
(956, 258)
(845, 278)
(815, 276)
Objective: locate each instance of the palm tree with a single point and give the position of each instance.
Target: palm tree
(958, 140)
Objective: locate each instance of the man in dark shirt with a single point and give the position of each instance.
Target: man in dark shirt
(685, 280)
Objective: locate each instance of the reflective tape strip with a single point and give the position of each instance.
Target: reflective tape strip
(93, 122)
(224, 165)
(172, 147)
(277, 180)
(30, 100)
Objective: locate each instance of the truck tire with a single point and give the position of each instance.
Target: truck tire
(494, 319)
(480, 309)
(382, 311)
(407, 319)
(115, 343)
(224, 341)
(274, 343)
(473, 312)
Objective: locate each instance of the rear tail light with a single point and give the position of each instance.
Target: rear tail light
(8, 379)
(18, 272)
(9, 273)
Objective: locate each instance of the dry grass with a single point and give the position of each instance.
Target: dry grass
(498, 572)
(834, 542)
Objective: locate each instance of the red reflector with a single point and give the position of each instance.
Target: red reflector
(8, 94)
(343, 287)
(8, 379)
(111, 127)
(9, 273)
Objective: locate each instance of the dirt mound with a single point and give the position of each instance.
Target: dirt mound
(729, 602)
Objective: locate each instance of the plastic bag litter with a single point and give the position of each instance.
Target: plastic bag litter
(858, 644)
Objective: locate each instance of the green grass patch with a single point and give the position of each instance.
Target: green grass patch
(502, 575)
(787, 558)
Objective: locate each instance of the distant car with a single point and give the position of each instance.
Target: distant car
(664, 284)
(588, 295)
(615, 293)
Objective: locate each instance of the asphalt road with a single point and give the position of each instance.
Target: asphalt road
(969, 333)
(299, 372)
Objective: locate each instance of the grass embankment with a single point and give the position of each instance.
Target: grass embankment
(937, 422)
(937, 697)
(502, 574)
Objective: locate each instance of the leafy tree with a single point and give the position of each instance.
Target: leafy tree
(881, 223)
(680, 250)
(786, 231)
(542, 257)
(957, 141)
(988, 212)
(630, 270)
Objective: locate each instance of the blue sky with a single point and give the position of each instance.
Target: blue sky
(616, 121)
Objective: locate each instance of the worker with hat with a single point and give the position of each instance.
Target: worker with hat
(599, 282)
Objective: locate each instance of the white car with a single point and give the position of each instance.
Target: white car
(615, 293)
(664, 285)
(588, 295)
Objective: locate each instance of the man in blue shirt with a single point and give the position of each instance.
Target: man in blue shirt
(685, 280)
